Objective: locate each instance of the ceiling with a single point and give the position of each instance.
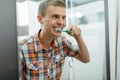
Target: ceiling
(80, 2)
(75, 2)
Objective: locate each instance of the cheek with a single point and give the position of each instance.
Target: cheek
(64, 23)
(46, 22)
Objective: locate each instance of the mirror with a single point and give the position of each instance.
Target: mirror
(88, 15)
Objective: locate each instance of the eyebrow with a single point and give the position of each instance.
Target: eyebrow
(58, 15)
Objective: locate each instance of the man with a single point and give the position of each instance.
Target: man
(43, 54)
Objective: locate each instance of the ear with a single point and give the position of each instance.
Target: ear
(39, 18)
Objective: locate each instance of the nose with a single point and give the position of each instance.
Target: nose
(61, 21)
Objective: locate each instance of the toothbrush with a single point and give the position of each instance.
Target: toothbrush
(60, 30)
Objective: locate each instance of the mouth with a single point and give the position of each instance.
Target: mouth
(58, 29)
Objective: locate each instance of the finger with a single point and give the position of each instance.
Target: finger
(69, 28)
(77, 31)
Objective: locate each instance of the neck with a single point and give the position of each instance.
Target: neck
(45, 39)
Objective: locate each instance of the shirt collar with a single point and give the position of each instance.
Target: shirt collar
(37, 40)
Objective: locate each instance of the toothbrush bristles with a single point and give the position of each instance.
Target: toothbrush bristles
(59, 29)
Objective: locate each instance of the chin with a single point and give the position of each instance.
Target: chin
(58, 35)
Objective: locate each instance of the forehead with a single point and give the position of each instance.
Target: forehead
(56, 10)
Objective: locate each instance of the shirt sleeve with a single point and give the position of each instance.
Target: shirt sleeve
(20, 55)
(22, 65)
(71, 50)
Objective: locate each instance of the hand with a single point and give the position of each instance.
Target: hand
(75, 31)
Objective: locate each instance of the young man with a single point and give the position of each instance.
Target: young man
(43, 54)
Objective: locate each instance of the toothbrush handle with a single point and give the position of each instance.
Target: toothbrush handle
(68, 31)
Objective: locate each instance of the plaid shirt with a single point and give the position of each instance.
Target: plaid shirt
(41, 64)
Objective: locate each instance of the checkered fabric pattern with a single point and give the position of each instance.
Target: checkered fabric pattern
(41, 64)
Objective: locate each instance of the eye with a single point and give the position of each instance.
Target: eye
(64, 18)
(55, 16)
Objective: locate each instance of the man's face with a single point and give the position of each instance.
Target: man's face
(55, 17)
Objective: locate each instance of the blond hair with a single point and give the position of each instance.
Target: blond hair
(46, 3)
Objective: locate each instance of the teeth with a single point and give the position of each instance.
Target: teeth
(58, 28)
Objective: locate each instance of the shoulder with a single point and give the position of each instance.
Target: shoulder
(27, 41)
